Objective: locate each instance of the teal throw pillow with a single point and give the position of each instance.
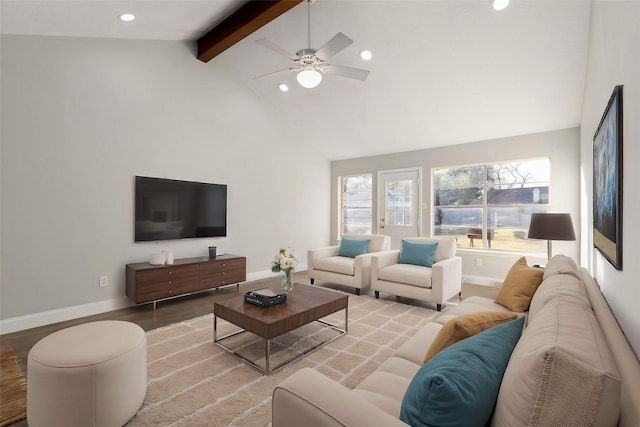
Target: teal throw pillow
(418, 253)
(459, 386)
(353, 247)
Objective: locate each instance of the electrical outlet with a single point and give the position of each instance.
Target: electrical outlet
(478, 262)
(104, 281)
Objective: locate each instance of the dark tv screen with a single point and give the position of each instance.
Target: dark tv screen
(167, 209)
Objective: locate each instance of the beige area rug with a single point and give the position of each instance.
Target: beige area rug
(192, 382)
(13, 388)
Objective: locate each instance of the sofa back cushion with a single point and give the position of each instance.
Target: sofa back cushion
(377, 242)
(561, 371)
(561, 278)
(446, 247)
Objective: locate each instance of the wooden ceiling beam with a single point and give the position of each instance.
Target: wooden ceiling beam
(251, 16)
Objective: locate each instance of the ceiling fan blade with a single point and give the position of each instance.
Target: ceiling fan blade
(333, 46)
(275, 74)
(348, 72)
(277, 49)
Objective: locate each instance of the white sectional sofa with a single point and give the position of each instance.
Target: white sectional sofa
(570, 337)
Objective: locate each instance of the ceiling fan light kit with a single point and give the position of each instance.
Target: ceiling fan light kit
(309, 77)
(500, 4)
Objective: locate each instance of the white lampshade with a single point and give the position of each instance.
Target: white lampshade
(309, 77)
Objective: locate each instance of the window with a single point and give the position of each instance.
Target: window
(399, 202)
(490, 205)
(355, 204)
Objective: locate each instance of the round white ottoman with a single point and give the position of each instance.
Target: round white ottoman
(93, 374)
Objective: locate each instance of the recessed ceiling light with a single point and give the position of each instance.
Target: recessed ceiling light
(127, 17)
(500, 4)
(366, 55)
(283, 87)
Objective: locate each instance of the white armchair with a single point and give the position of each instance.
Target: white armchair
(437, 284)
(325, 264)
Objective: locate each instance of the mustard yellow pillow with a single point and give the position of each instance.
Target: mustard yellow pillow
(519, 286)
(465, 326)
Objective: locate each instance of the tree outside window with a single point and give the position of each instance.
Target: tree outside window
(490, 205)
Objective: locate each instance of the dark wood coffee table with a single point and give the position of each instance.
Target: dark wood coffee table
(305, 304)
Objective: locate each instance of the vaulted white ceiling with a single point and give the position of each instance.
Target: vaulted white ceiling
(443, 72)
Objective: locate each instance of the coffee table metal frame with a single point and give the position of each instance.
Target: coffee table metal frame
(286, 325)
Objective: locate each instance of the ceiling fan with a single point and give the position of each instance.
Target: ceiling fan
(310, 63)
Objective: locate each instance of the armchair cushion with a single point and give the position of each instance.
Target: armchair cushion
(353, 247)
(418, 253)
(460, 385)
(410, 274)
(336, 264)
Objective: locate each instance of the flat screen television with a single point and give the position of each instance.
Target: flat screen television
(167, 209)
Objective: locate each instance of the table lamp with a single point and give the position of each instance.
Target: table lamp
(551, 226)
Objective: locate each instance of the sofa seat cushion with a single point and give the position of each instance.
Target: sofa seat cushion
(387, 385)
(469, 306)
(406, 273)
(561, 344)
(336, 264)
(413, 350)
(459, 385)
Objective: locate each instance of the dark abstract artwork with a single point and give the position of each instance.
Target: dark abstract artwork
(607, 182)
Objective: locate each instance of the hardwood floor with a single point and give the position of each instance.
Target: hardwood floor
(184, 308)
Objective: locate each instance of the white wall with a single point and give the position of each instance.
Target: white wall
(614, 58)
(82, 117)
(562, 148)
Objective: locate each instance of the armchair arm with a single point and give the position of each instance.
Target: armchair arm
(384, 259)
(308, 397)
(446, 278)
(363, 265)
(325, 252)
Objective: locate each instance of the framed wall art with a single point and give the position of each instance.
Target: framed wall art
(607, 182)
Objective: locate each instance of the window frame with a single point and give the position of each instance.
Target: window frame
(485, 206)
(341, 205)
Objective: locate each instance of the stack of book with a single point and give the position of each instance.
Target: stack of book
(264, 297)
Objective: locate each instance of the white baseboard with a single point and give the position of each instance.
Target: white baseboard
(265, 274)
(481, 280)
(20, 323)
